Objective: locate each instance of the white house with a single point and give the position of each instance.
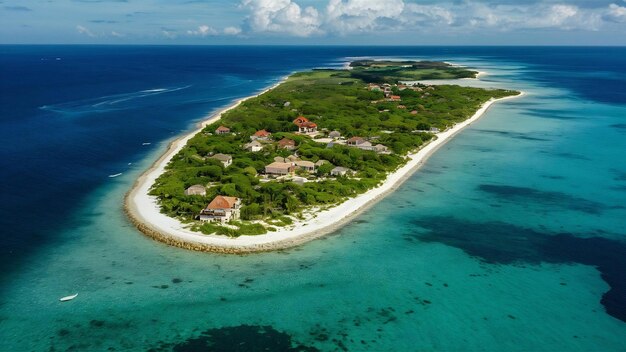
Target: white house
(340, 171)
(196, 190)
(254, 146)
(224, 158)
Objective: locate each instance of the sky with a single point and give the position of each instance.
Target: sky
(315, 22)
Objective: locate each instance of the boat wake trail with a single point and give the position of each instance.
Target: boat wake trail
(108, 102)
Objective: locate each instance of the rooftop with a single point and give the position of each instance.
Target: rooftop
(222, 202)
(222, 157)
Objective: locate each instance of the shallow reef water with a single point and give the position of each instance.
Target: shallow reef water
(510, 238)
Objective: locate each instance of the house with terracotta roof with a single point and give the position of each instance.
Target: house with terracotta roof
(221, 209)
(304, 125)
(225, 159)
(196, 190)
(278, 168)
(287, 143)
(222, 130)
(261, 135)
(394, 98)
(355, 141)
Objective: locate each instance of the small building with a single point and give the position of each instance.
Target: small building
(434, 130)
(340, 171)
(381, 149)
(307, 166)
(254, 146)
(304, 125)
(355, 141)
(196, 190)
(222, 130)
(394, 98)
(225, 159)
(413, 112)
(401, 107)
(365, 146)
(277, 168)
(321, 162)
(334, 134)
(280, 159)
(221, 209)
(287, 143)
(291, 158)
(287, 104)
(373, 87)
(261, 135)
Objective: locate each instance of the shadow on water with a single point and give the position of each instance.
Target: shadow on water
(549, 198)
(509, 134)
(551, 114)
(619, 126)
(502, 243)
(237, 338)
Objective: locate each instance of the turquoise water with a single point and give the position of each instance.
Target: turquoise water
(459, 258)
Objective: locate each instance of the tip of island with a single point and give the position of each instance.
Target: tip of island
(304, 157)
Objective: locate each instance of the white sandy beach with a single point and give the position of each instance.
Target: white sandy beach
(144, 210)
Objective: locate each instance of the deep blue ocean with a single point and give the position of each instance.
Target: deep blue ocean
(512, 237)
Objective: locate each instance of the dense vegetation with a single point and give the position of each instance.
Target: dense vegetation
(334, 100)
(386, 71)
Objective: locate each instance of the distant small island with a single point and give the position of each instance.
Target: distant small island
(300, 159)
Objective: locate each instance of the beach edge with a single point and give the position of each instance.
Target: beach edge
(142, 211)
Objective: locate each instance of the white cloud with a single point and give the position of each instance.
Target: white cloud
(118, 35)
(232, 30)
(368, 16)
(428, 13)
(203, 31)
(515, 17)
(281, 16)
(615, 13)
(348, 16)
(169, 34)
(85, 31)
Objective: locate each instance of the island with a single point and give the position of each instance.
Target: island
(304, 157)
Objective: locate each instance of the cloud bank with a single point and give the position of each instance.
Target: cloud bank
(346, 17)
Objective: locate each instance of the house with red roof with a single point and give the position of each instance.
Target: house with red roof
(355, 141)
(304, 125)
(287, 143)
(261, 135)
(221, 209)
(222, 130)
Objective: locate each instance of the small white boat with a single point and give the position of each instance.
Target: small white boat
(68, 298)
(115, 175)
(146, 143)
